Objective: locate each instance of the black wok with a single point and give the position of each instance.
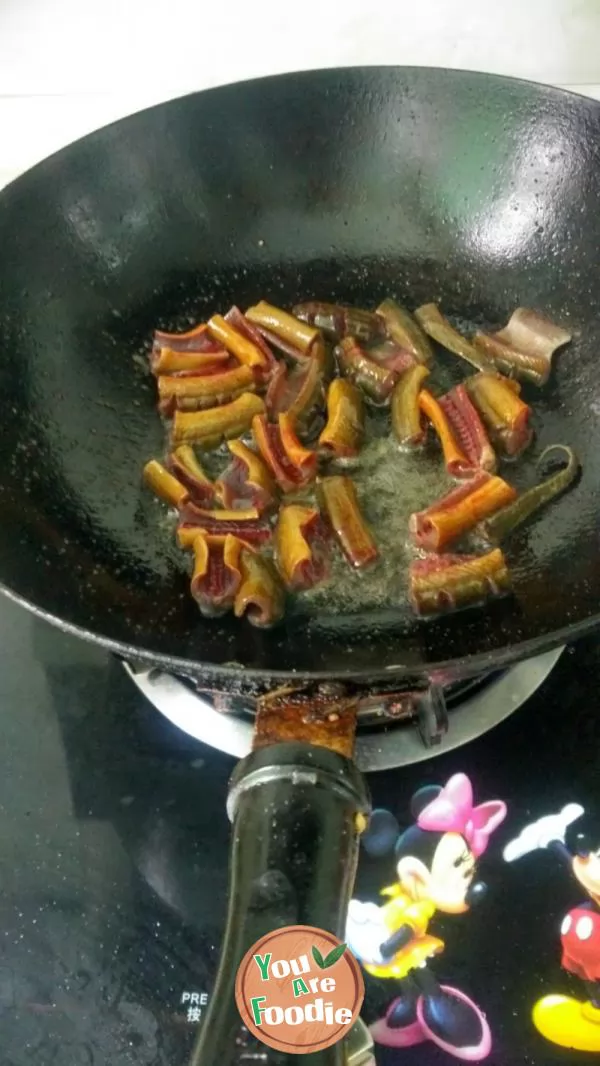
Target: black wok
(476, 191)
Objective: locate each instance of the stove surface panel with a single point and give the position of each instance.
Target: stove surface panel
(113, 861)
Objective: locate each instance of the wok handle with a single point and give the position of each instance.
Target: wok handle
(297, 812)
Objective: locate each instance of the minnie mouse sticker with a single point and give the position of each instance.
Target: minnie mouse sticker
(436, 867)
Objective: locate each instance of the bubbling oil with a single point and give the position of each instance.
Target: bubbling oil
(390, 485)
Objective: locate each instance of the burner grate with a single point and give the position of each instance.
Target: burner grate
(376, 711)
(386, 735)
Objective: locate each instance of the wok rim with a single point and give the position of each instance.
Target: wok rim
(465, 667)
(300, 73)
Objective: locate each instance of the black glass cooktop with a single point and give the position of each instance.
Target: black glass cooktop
(113, 862)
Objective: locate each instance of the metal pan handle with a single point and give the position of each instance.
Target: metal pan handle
(297, 812)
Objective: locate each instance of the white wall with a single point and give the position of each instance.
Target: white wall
(68, 66)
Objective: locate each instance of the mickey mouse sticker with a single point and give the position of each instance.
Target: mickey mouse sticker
(436, 870)
(570, 1021)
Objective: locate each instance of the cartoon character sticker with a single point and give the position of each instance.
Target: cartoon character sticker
(436, 867)
(566, 1020)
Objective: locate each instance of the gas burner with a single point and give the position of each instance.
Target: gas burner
(444, 715)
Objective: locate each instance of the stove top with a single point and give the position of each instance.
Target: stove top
(113, 861)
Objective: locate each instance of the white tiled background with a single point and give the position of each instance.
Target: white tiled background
(69, 66)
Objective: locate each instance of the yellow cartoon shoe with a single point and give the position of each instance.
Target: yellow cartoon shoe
(568, 1022)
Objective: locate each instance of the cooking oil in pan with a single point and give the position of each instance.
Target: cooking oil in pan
(390, 484)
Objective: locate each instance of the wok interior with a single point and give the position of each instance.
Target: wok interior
(477, 192)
